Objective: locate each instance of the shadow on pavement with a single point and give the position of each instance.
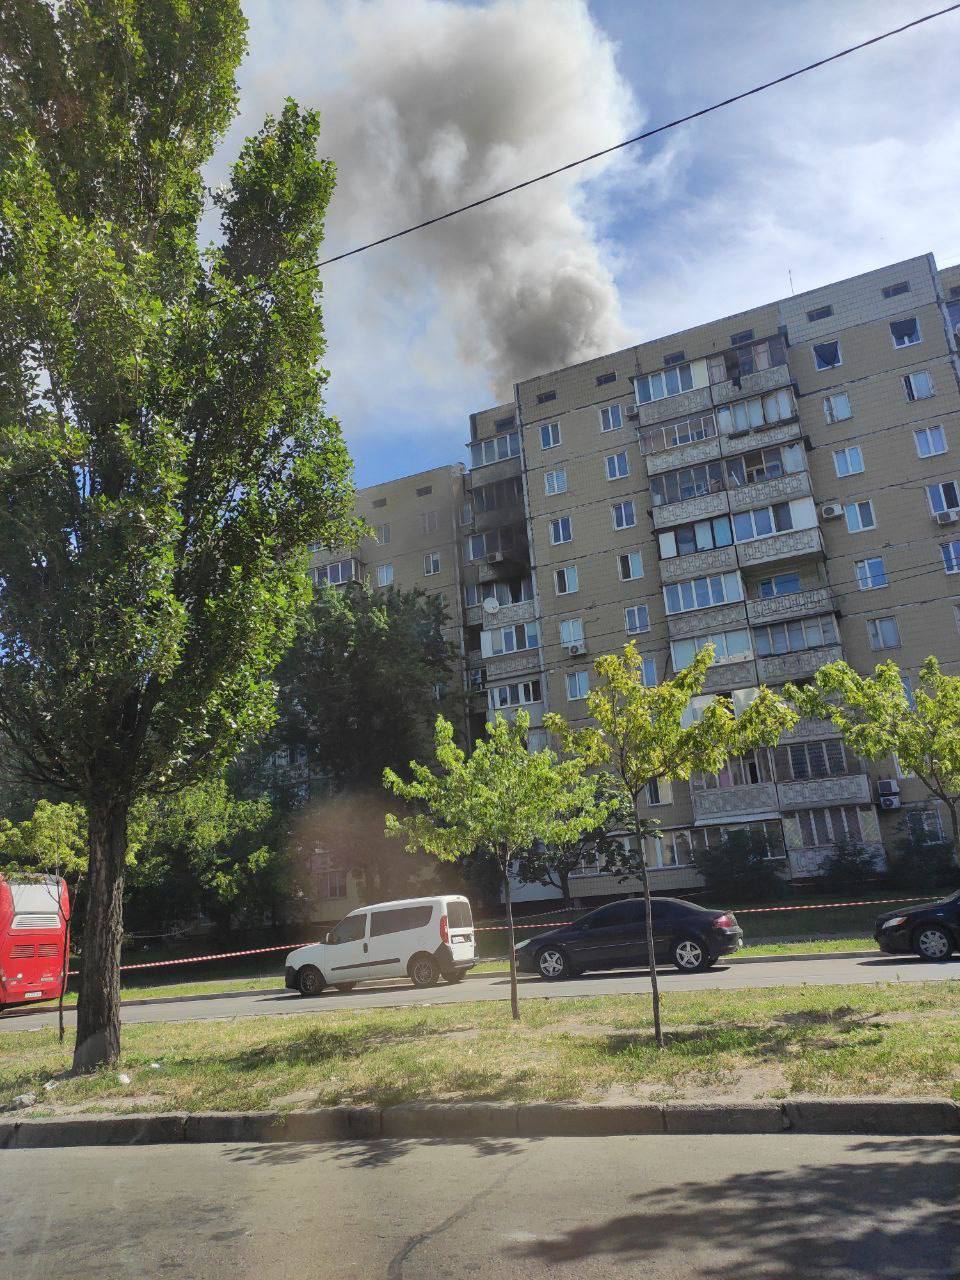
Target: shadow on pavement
(368, 1154)
(887, 1219)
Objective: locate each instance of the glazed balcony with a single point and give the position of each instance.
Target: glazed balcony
(751, 384)
(780, 667)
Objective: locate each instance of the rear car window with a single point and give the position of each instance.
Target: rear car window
(459, 915)
(398, 919)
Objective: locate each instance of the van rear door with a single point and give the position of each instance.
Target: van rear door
(460, 928)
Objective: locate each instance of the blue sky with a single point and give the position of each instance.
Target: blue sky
(428, 103)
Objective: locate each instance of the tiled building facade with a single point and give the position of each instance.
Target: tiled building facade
(782, 482)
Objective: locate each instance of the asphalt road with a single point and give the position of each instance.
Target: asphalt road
(665, 1208)
(829, 971)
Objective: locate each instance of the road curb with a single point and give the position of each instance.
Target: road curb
(881, 1117)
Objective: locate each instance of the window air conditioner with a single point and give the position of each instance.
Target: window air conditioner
(574, 650)
(888, 787)
(831, 511)
(889, 802)
(495, 557)
(632, 411)
(947, 517)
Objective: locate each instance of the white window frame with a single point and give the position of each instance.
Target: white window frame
(566, 570)
(581, 685)
(628, 555)
(874, 632)
(849, 507)
(927, 434)
(939, 503)
(381, 535)
(555, 482)
(611, 417)
(658, 383)
(626, 505)
(616, 458)
(845, 454)
(865, 576)
(642, 613)
(431, 563)
(950, 552)
(571, 631)
(826, 368)
(829, 411)
(556, 526)
(552, 439)
(910, 389)
(912, 341)
(385, 574)
(704, 597)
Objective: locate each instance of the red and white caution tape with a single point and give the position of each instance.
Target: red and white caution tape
(820, 906)
(221, 955)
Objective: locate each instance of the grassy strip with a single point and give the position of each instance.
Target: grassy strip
(896, 1039)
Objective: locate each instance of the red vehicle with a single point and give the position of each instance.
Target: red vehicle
(34, 939)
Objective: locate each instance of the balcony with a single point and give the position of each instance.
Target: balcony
(810, 862)
(525, 662)
(533, 709)
(674, 406)
(502, 616)
(697, 622)
(698, 563)
(751, 384)
(850, 788)
(661, 455)
(778, 433)
(756, 801)
(506, 567)
(764, 492)
(798, 605)
(696, 508)
(781, 546)
(794, 666)
(490, 471)
(806, 730)
(730, 675)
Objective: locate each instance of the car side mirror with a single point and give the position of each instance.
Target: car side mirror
(326, 936)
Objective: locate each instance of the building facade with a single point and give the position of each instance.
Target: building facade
(781, 482)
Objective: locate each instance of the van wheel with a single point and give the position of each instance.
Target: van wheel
(310, 980)
(423, 971)
(455, 975)
(344, 986)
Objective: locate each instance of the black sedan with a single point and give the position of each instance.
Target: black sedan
(615, 937)
(931, 930)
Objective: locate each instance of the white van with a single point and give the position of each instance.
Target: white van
(423, 939)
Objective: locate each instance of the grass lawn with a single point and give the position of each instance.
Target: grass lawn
(896, 1039)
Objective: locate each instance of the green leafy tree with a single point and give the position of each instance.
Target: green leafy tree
(501, 798)
(164, 455)
(358, 690)
(877, 718)
(641, 734)
(53, 841)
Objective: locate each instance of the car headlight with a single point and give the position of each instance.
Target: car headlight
(889, 924)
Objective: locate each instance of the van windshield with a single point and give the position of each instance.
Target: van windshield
(459, 915)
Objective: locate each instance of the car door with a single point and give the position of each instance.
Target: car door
(610, 936)
(395, 934)
(346, 949)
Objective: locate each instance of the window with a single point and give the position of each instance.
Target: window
(740, 771)
(624, 515)
(919, 385)
(630, 565)
(930, 441)
(561, 530)
(836, 408)
(781, 584)
(822, 827)
(871, 573)
(350, 929)
(484, 452)
(566, 580)
(794, 637)
(668, 382)
(525, 635)
(504, 424)
(550, 435)
(770, 463)
(611, 418)
(849, 461)
(338, 573)
(466, 513)
(617, 466)
(431, 564)
(429, 521)
(384, 575)
(658, 792)
(379, 502)
(925, 824)
(571, 631)
(801, 761)
(604, 378)
(513, 695)
(399, 919)
(729, 646)
(382, 534)
(578, 685)
(944, 496)
(762, 522)
(555, 481)
(883, 633)
(859, 516)
(331, 882)
(546, 396)
(704, 535)
(675, 357)
(513, 592)
(826, 355)
(686, 482)
(819, 313)
(648, 669)
(894, 290)
(702, 593)
(951, 556)
(636, 619)
(505, 538)
(775, 406)
(905, 333)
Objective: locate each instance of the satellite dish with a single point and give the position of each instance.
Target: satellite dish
(491, 605)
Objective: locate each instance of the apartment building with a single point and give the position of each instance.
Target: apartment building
(778, 482)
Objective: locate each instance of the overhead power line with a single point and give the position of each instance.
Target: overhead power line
(640, 137)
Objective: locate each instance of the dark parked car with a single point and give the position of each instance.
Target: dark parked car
(614, 937)
(931, 930)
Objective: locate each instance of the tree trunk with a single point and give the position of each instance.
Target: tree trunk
(565, 889)
(98, 1002)
(955, 827)
(648, 911)
(508, 905)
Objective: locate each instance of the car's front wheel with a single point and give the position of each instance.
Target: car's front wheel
(310, 980)
(932, 943)
(553, 964)
(690, 956)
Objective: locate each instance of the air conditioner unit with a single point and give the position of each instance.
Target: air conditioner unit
(888, 787)
(889, 802)
(495, 557)
(947, 517)
(574, 650)
(632, 411)
(831, 511)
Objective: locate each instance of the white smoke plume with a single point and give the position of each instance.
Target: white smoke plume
(428, 104)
